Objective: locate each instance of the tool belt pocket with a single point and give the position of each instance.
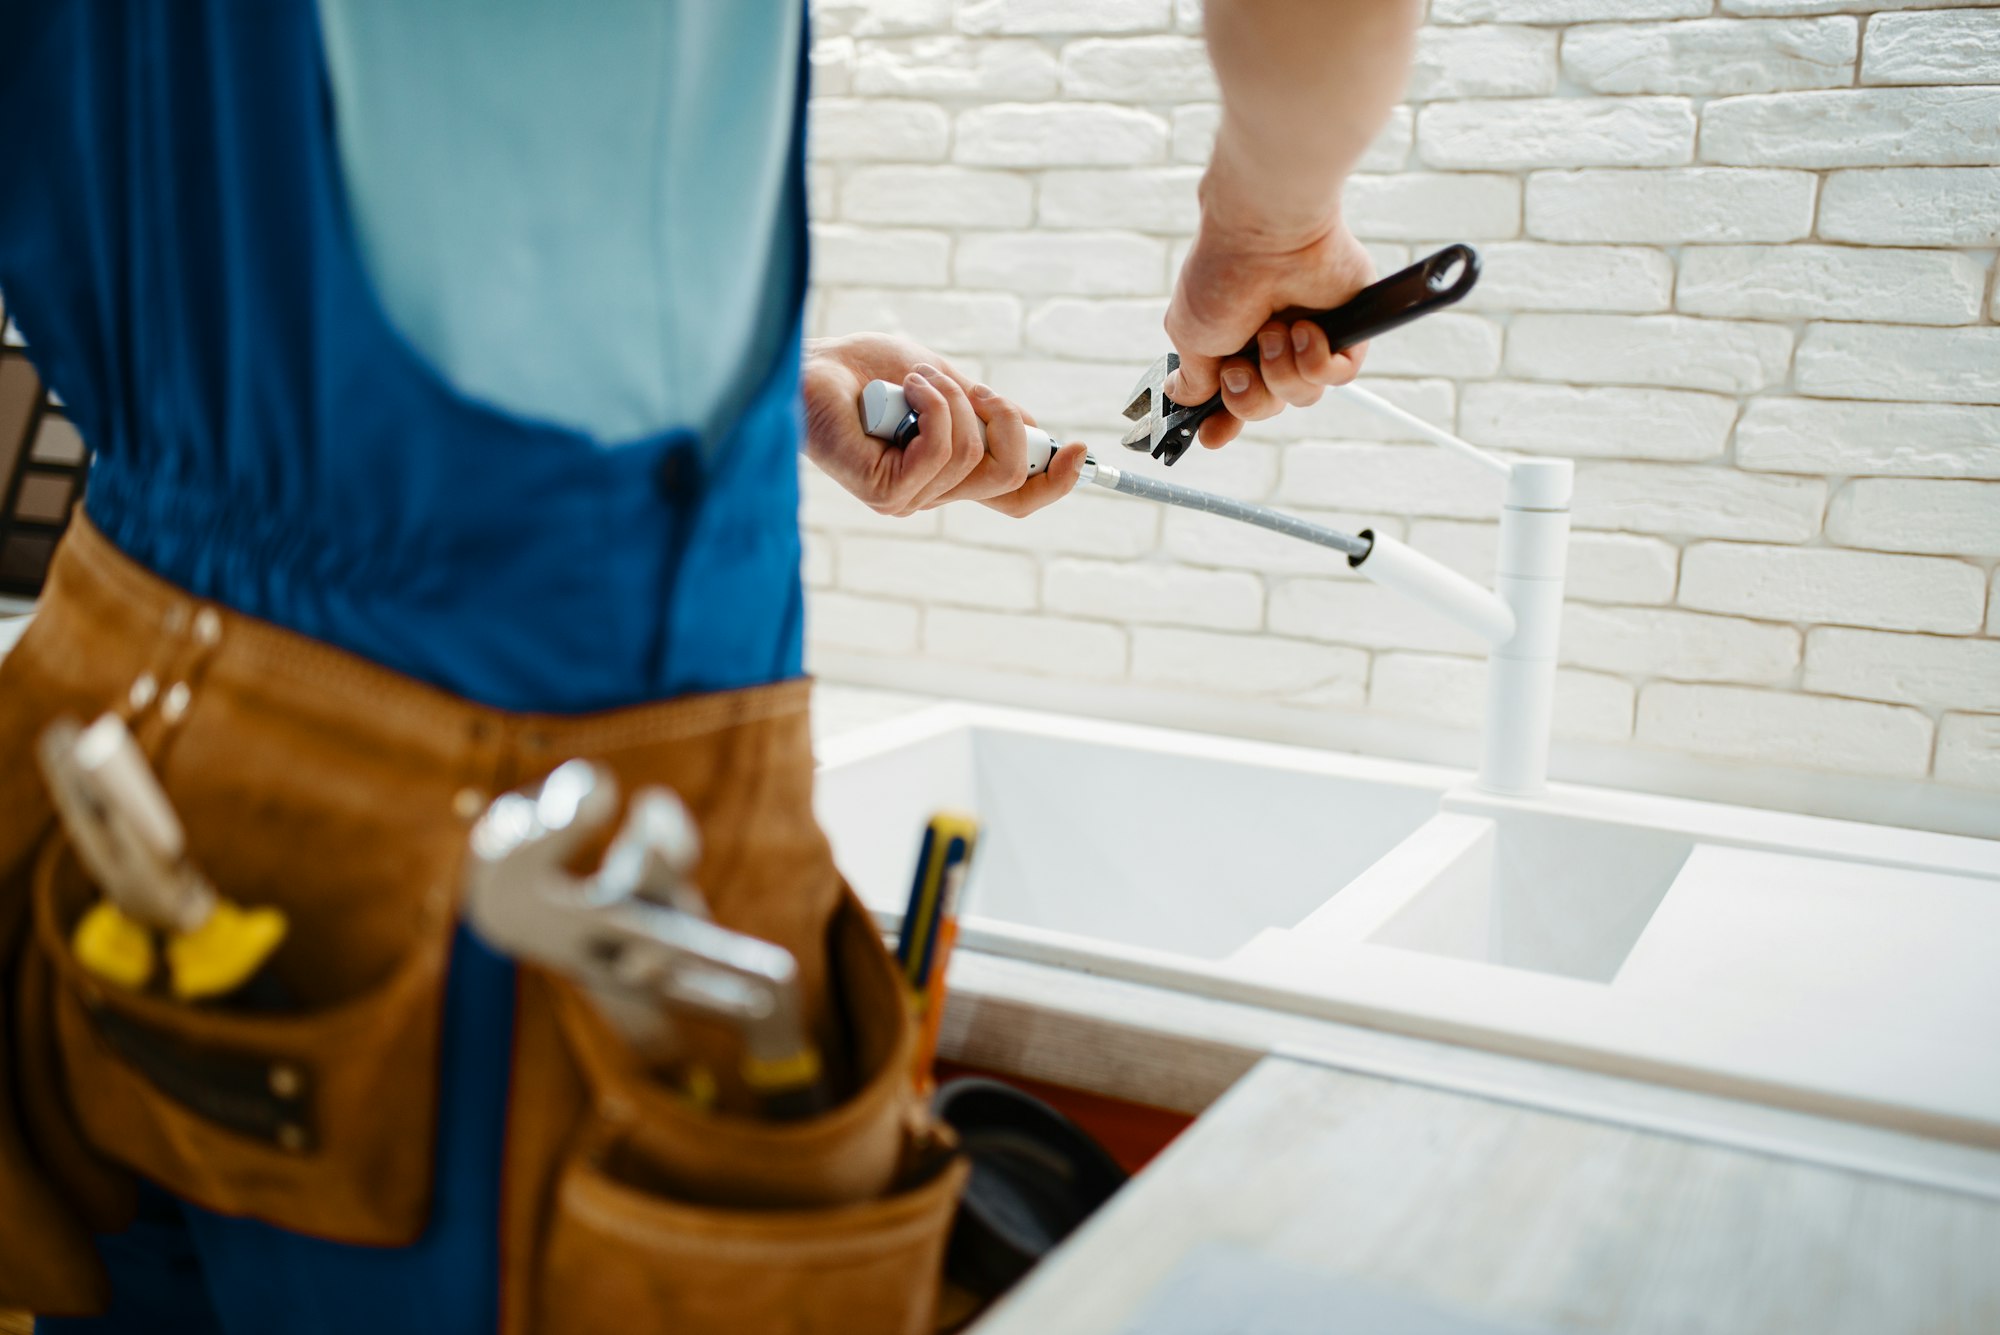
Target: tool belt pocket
(318, 1116)
(710, 1222)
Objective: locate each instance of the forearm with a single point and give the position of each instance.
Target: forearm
(1306, 86)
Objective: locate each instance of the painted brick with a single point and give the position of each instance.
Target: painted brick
(1160, 199)
(1557, 132)
(828, 505)
(1433, 206)
(1765, 8)
(1683, 499)
(938, 572)
(869, 18)
(1831, 282)
(1209, 540)
(1827, 584)
(1913, 206)
(1452, 691)
(1621, 567)
(1338, 416)
(1712, 56)
(1359, 613)
(822, 191)
(1084, 264)
(1670, 207)
(1927, 670)
(1859, 361)
(1187, 15)
(832, 62)
(1059, 134)
(1968, 750)
(1961, 46)
(1398, 479)
(1611, 422)
(936, 196)
(1812, 732)
(1044, 645)
(879, 256)
(816, 568)
(1899, 514)
(1063, 16)
(944, 321)
(1195, 126)
(1603, 567)
(1482, 62)
(1176, 595)
(1561, 11)
(1085, 524)
(1856, 127)
(1669, 350)
(1388, 257)
(1906, 439)
(1138, 69)
(1081, 327)
(846, 129)
(1993, 606)
(1240, 665)
(1679, 646)
(866, 625)
(1060, 392)
(991, 69)
(1389, 150)
(1529, 276)
(1450, 343)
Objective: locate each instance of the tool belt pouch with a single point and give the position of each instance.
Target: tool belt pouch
(317, 1117)
(666, 1216)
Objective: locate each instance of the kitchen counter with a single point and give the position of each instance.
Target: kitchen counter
(1313, 1197)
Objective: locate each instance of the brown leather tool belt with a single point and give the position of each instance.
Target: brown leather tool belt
(341, 793)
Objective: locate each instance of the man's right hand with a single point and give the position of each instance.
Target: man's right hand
(1231, 283)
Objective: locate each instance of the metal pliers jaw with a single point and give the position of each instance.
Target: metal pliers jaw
(635, 933)
(1165, 428)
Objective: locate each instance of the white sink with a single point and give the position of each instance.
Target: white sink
(1827, 965)
(1542, 891)
(1101, 836)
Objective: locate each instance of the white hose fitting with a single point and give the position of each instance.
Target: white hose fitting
(1437, 586)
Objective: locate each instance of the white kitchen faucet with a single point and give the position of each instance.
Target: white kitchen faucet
(1520, 618)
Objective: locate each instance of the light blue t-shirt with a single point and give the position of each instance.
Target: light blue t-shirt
(572, 210)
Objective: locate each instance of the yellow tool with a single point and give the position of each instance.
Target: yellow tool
(930, 923)
(132, 845)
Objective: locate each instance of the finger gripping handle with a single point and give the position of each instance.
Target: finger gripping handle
(1432, 283)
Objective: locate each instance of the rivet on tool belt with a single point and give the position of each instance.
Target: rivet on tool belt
(252, 1096)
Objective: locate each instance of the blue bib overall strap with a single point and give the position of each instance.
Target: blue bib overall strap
(174, 244)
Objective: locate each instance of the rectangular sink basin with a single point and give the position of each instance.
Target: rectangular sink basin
(1112, 837)
(1540, 891)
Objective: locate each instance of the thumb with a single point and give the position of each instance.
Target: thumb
(1197, 380)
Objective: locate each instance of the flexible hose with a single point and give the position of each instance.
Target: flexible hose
(1189, 498)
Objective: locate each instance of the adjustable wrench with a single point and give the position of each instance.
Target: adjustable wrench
(1165, 428)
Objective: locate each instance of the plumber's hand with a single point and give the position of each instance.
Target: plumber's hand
(1234, 278)
(969, 446)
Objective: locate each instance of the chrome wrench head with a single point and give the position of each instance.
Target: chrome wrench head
(1164, 428)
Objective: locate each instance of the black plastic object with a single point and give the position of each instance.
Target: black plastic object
(1036, 1176)
(1432, 283)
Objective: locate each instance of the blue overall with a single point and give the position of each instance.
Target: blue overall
(175, 247)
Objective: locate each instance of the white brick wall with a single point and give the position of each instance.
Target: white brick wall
(1740, 262)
